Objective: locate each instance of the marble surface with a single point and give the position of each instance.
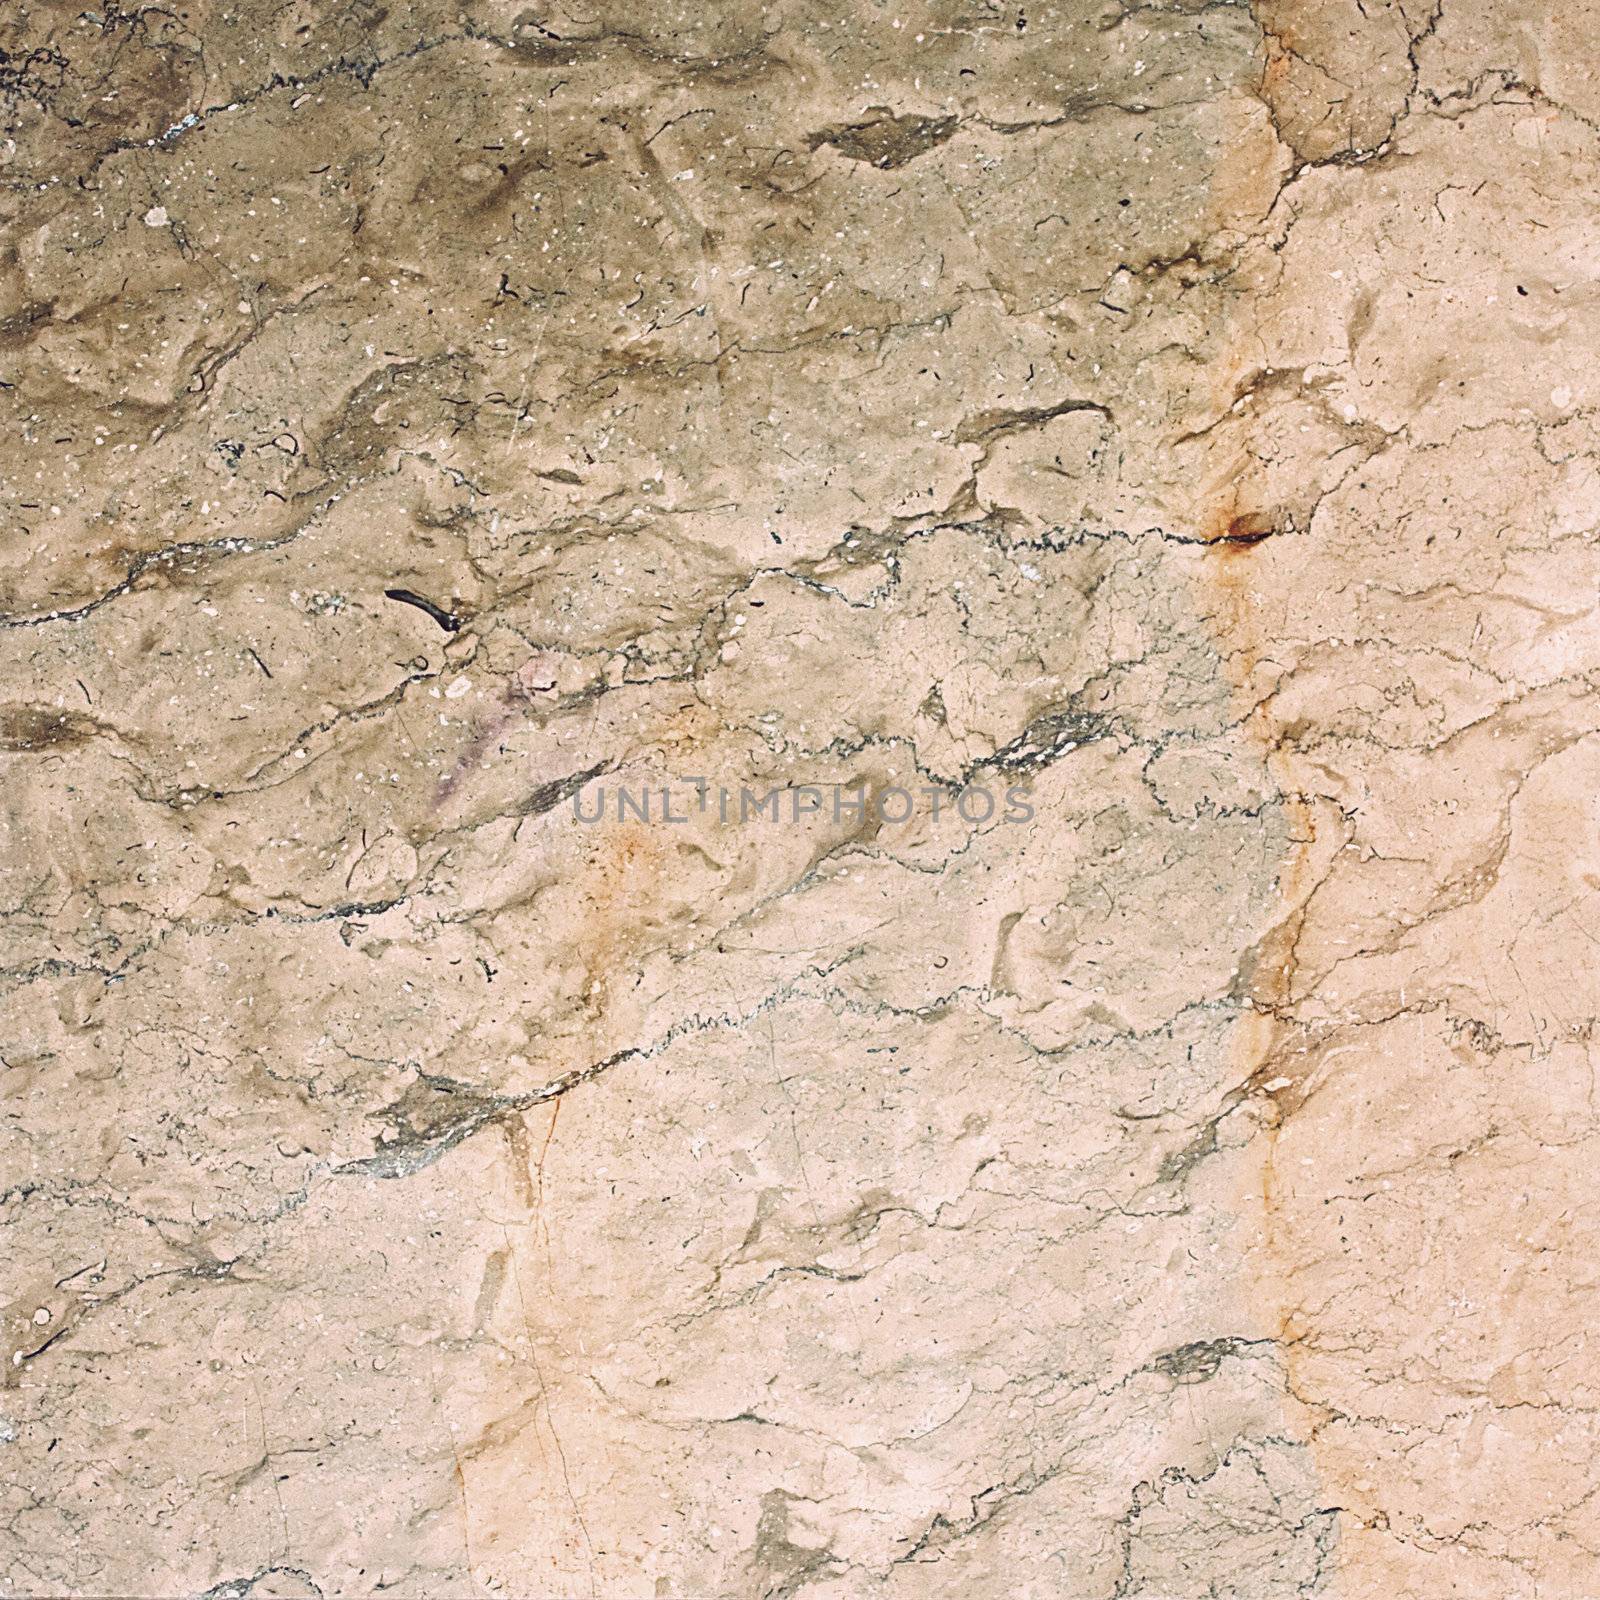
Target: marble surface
(440, 438)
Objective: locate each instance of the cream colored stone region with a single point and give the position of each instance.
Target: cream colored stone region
(799, 800)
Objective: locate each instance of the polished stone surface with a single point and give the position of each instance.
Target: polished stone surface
(432, 431)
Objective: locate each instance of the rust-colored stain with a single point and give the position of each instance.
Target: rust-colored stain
(1257, 1048)
(1242, 532)
(624, 872)
(620, 884)
(1230, 576)
(628, 861)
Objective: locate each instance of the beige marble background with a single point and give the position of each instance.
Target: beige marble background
(1185, 412)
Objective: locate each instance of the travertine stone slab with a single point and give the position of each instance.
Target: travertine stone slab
(799, 800)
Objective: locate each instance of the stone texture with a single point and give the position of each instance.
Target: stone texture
(425, 422)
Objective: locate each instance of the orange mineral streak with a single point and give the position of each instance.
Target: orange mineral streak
(620, 887)
(1228, 581)
(1236, 526)
(1260, 1044)
(625, 881)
